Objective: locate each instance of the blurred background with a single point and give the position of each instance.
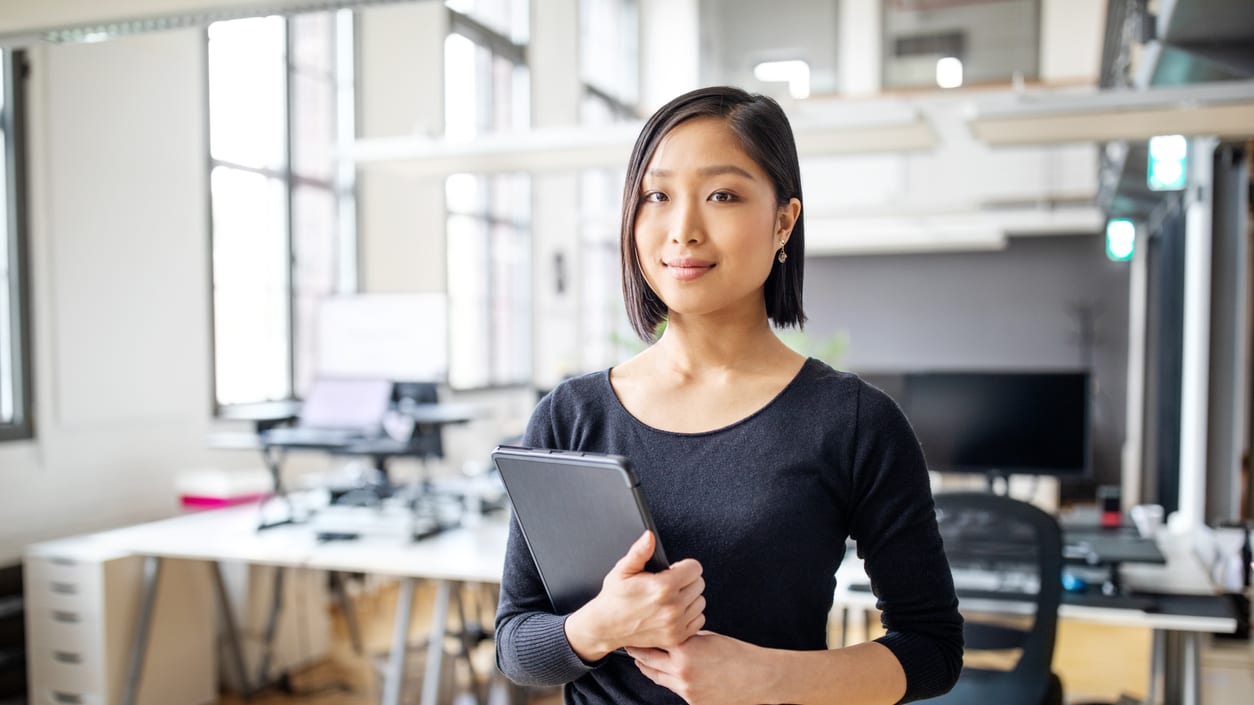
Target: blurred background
(214, 204)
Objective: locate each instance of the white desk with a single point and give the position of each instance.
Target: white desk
(473, 554)
(1177, 628)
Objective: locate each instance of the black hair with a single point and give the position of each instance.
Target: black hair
(766, 137)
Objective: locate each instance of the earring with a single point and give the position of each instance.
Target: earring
(783, 256)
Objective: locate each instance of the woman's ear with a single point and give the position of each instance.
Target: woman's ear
(787, 218)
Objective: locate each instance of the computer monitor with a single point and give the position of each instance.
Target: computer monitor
(1001, 423)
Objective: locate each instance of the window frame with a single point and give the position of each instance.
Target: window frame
(13, 119)
(343, 188)
(498, 47)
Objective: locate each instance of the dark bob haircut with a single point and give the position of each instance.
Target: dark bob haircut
(765, 135)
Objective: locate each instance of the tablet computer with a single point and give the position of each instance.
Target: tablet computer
(579, 513)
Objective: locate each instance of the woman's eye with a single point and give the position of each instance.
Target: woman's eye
(655, 197)
(722, 197)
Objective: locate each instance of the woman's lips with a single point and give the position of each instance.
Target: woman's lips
(688, 269)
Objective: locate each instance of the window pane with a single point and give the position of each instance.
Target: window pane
(313, 128)
(461, 114)
(247, 88)
(609, 52)
(507, 17)
(313, 37)
(470, 354)
(250, 286)
(511, 304)
(316, 253)
(465, 194)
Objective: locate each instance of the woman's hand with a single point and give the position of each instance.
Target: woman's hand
(710, 668)
(639, 608)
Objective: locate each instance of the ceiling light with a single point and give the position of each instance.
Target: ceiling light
(795, 73)
(949, 72)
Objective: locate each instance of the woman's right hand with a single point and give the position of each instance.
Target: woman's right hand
(639, 608)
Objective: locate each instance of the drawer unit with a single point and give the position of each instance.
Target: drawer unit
(82, 601)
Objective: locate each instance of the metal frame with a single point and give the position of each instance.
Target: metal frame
(14, 127)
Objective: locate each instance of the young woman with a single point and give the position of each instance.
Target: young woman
(757, 463)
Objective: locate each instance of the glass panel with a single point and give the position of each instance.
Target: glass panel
(247, 88)
(4, 62)
(465, 193)
(313, 127)
(609, 52)
(510, 18)
(313, 39)
(468, 288)
(316, 254)
(461, 114)
(250, 282)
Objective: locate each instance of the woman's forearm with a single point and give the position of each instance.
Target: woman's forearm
(863, 674)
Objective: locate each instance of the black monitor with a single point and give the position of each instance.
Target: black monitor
(1001, 423)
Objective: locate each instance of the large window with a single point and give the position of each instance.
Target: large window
(608, 68)
(15, 371)
(283, 208)
(487, 89)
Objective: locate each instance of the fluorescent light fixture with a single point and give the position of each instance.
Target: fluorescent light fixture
(949, 72)
(1168, 159)
(1120, 239)
(795, 73)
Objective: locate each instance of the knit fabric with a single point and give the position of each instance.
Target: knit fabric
(765, 505)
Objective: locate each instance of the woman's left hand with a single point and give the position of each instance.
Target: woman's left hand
(709, 668)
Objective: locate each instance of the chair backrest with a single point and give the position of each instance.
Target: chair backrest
(427, 439)
(1006, 556)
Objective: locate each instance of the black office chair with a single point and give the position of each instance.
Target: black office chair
(1006, 556)
(427, 440)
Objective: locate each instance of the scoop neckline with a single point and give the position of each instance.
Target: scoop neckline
(605, 376)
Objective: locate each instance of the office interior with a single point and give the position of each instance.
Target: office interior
(452, 198)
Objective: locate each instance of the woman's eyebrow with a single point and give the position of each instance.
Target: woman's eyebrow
(716, 170)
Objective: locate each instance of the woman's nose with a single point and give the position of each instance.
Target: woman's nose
(686, 225)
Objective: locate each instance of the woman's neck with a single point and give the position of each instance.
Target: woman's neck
(697, 345)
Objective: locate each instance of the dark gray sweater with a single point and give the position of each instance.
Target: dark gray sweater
(765, 505)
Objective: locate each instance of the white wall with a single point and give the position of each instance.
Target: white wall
(120, 288)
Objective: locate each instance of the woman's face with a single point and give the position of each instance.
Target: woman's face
(708, 226)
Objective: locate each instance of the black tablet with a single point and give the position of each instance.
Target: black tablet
(579, 513)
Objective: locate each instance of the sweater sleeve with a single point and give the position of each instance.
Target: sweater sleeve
(894, 524)
(531, 644)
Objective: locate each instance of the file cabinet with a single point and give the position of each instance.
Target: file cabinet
(82, 598)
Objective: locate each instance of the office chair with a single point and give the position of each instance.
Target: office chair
(1016, 551)
(427, 440)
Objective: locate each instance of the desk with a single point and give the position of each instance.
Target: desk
(1186, 608)
(474, 553)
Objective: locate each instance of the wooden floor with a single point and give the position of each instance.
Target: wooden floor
(1096, 663)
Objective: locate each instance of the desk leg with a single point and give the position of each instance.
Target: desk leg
(1158, 659)
(143, 627)
(435, 645)
(394, 678)
(1182, 678)
(232, 633)
(272, 626)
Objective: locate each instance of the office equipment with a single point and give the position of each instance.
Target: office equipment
(337, 410)
(579, 513)
(998, 423)
(1004, 536)
(393, 336)
(81, 606)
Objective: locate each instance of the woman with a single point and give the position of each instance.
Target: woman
(757, 462)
